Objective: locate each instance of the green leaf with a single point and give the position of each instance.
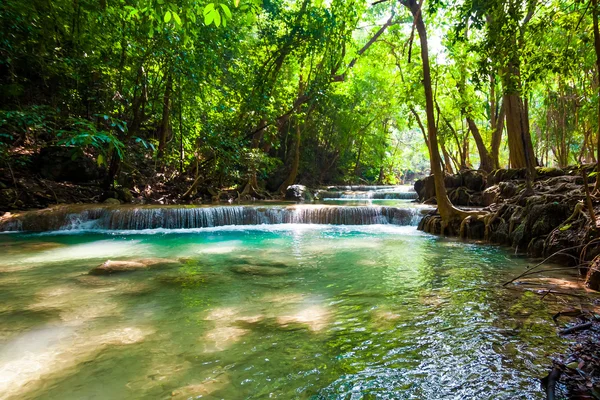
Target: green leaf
(208, 18)
(100, 159)
(176, 18)
(217, 18)
(236, 3)
(226, 10)
(168, 16)
(209, 7)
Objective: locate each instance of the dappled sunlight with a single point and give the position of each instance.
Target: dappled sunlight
(217, 248)
(75, 306)
(257, 319)
(316, 318)
(222, 337)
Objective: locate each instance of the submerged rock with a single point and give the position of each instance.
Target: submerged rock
(260, 270)
(111, 267)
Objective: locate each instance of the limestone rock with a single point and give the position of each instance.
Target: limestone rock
(473, 180)
(112, 202)
(298, 193)
(490, 195)
(592, 279)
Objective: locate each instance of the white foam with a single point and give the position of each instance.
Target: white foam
(374, 228)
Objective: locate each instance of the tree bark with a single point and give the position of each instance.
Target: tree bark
(497, 137)
(597, 49)
(486, 164)
(447, 211)
(295, 162)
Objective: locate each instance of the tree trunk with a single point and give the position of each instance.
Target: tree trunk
(520, 146)
(447, 211)
(164, 124)
(447, 160)
(486, 164)
(597, 49)
(497, 137)
(295, 162)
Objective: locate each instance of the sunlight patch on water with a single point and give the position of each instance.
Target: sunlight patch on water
(33, 357)
(222, 337)
(224, 247)
(76, 306)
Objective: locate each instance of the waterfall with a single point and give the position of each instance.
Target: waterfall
(185, 217)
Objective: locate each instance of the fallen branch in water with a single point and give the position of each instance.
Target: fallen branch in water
(576, 328)
(528, 272)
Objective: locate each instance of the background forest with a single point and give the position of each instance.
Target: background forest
(257, 95)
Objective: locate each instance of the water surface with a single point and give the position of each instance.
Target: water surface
(282, 311)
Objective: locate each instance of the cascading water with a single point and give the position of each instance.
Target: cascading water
(139, 218)
(367, 193)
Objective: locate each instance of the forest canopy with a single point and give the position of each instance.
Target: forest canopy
(258, 95)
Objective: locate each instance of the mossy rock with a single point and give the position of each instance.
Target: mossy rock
(506, 174)
(544, 218)
(548, 172)
(519, 237)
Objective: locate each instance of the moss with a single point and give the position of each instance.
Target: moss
(546, 172)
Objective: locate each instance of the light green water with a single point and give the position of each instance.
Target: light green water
(290, 311)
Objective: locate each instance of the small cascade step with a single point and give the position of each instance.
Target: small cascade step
(150, 217)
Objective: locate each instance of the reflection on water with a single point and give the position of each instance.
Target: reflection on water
(317, 312)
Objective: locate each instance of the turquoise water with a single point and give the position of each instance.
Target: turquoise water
(286, 311)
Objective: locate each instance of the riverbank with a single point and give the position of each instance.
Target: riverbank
(553, 221)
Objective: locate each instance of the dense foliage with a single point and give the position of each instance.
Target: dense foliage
(259, 95)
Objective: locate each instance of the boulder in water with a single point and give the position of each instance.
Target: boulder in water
(259, 270)
(112, 267)
(298, 193)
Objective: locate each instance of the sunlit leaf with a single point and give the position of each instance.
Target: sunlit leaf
(208, 18)
(176, 18)
(226, 10)
(209, 7)
(168, 16)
